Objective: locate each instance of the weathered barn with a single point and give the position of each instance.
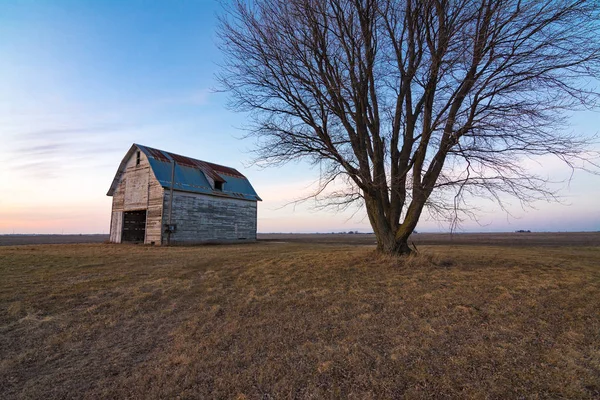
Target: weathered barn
(164, 198)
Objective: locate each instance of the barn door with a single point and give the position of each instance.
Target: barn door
(134, 226)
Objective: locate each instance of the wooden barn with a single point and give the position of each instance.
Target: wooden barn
(164, 198)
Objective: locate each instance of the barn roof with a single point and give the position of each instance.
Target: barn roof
(191, 175)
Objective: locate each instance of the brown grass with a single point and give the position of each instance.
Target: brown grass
(298, 321)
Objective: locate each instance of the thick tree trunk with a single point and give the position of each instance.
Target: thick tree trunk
(388, 242)
(393, 246)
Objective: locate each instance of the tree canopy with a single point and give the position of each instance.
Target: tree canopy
(416, 103)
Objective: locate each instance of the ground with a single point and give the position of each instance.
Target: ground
(295, 317)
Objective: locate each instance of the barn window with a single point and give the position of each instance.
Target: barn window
(218, 185)
(137, 158)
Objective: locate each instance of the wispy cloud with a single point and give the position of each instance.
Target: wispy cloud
(49, 151)
(41, 149)
(61, 133)
(64, 148)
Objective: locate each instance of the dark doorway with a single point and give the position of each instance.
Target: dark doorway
(134, 226)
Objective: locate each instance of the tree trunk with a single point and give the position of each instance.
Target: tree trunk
(392, 246)
(387, 240)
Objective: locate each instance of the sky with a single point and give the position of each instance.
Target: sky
(80, 81)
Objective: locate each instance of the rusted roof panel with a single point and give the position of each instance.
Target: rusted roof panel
(191, 175)
(192, 163)
(210, 169)
(156, 154)
(185, 161)
(225, 170)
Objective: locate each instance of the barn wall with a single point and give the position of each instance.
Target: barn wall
(138, 189)
(202, 218)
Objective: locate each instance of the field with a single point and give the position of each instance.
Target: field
(293, 316)
(12, 240)
(505, 239)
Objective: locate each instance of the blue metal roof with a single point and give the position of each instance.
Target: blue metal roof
(192, 175)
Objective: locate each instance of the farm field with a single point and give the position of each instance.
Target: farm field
(295, 317)
(14, 240)
(512, 239)
(509, 238)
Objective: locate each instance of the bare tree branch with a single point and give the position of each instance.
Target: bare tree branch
(417, 104)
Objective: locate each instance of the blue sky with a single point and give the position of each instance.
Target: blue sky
(82, 80)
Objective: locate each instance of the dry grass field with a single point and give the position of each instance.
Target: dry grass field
(299, 320)
(13, 240)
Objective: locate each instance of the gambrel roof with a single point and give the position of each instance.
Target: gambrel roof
(191, 175)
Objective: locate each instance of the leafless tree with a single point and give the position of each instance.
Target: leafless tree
(413, 100)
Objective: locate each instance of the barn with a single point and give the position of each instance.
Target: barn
(164, 198)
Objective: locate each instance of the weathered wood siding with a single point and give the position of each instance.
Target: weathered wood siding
(138, 189)
(116, 226)
(203, 218)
